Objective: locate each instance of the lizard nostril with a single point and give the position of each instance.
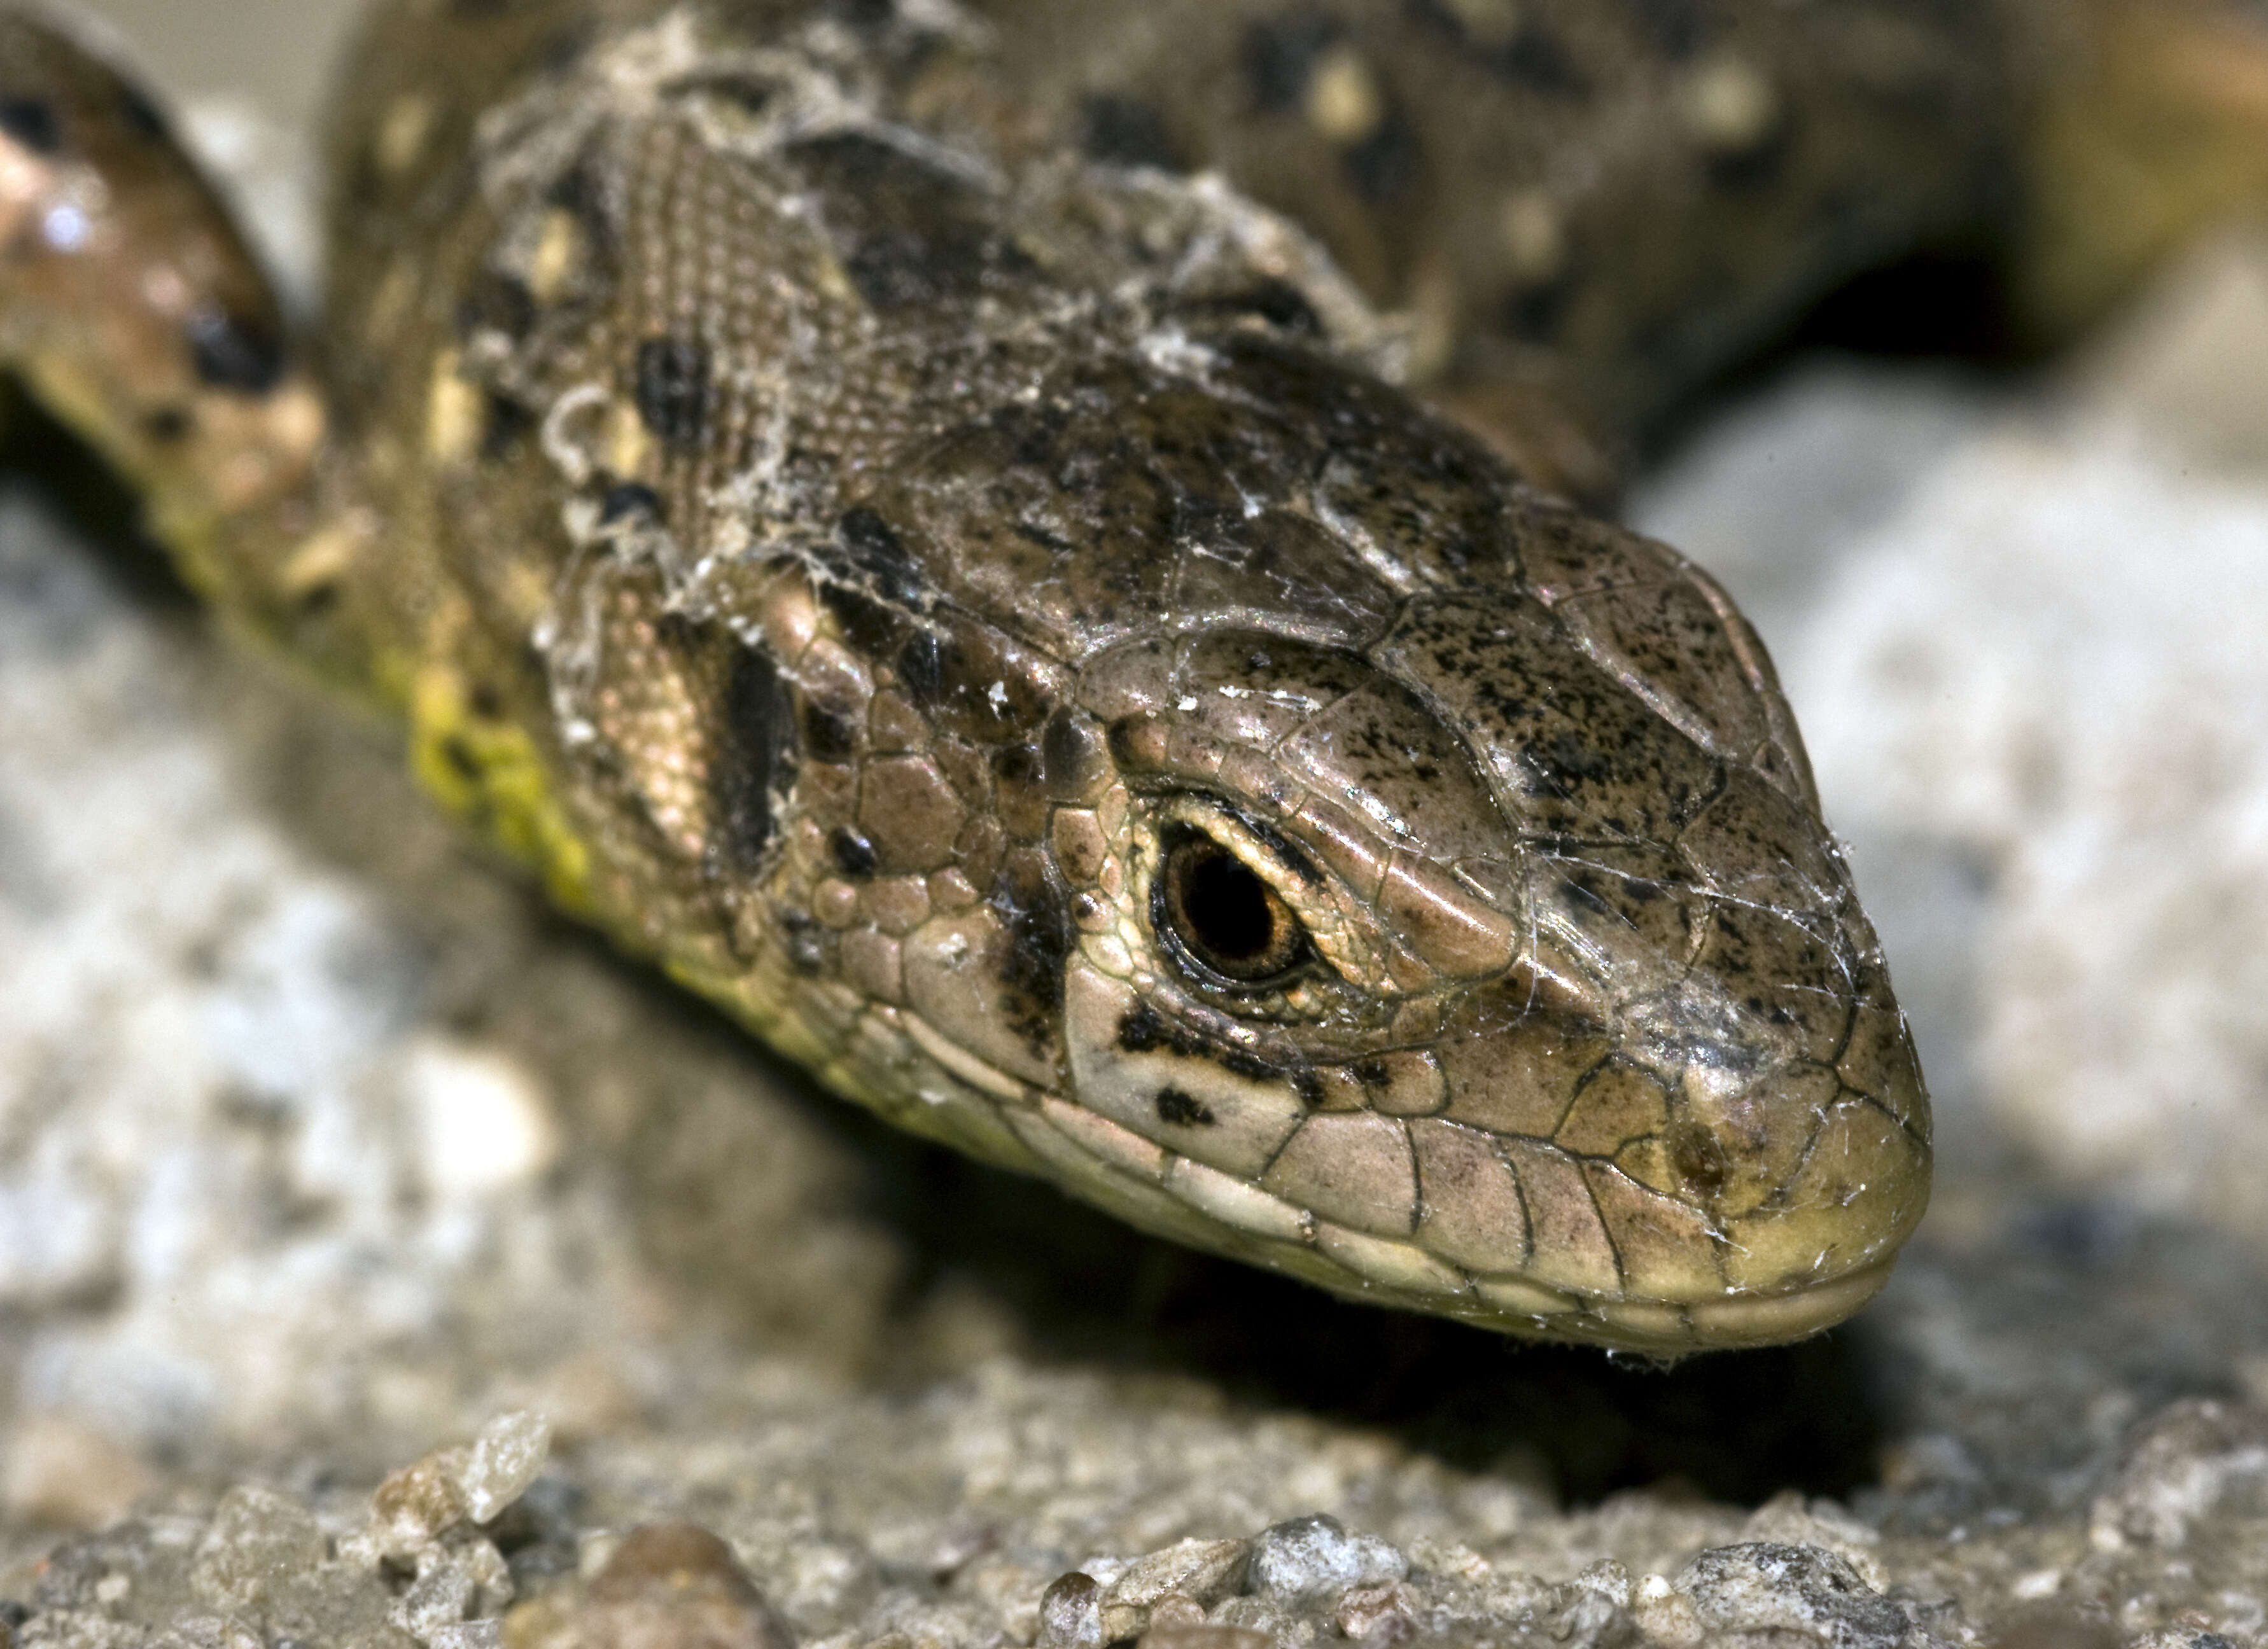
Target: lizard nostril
(1699, 1159)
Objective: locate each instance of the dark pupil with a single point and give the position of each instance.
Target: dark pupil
(1226, 909)
(1221, 916)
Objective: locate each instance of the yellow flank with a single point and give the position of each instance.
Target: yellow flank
(490, 773)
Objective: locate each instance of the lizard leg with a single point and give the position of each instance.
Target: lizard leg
(131, 307)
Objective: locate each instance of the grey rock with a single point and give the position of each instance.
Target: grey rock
(1070, 1612)
(441, 1595)
(1306, 1559)
(1759, 1593)
(506, 1456)
(258, 1539)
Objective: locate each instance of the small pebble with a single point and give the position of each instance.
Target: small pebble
(1378, 1616)
(510, 1452)
(1808, 1593)
(1070, 1612)
(1200, 1571)
(256, 1539)
(415, 1505)
(665, 1585)
(1311, 1558)
(441, 1595)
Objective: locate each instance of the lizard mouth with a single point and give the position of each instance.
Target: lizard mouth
(1739, 1322)
(1671, 1329)
(1736, 1322)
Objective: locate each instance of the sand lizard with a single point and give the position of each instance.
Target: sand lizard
(959, 529)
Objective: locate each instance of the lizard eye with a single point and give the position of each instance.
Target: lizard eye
(1221, 917)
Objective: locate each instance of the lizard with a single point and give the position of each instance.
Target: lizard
(1057, 560)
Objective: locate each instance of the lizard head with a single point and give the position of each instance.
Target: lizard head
(1447, 914)
(1173, 760)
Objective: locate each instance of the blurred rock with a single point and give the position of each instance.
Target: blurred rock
(2049, 664)
(62, 1473)
(671, 1585)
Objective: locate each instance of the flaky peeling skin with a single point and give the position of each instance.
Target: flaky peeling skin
(846, 494)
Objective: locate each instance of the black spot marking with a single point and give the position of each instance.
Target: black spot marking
(1371, 1073)
(1758, 165)
(828, 734)
(1039, 941)
(1385, 164)
(1555, 766)
(1144, 1030)
(907, 233)
(854, 854)
(1279, 56)
(921, 667)
(863, 15)
(144, 119)
(506, 423)
(235, 353)
(1675, 27)
(1183, 1110)
(1699, 1159)
(672, 389)
(755, 756)
(1070, 754)
(1121, 132)
(870, 627)
(1124, 739)
(497, 303)
(168, 425)
(804, 941)
(583, 192)
(31, 122)
(1533, 57)
(628, 498)
(874, 548)
(1040, 535)
(1535, 313)
(1034, 433)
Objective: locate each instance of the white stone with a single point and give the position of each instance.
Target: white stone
(506, 1457)
(483, 1123)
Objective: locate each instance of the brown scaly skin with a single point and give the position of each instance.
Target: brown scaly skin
(829, 485)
